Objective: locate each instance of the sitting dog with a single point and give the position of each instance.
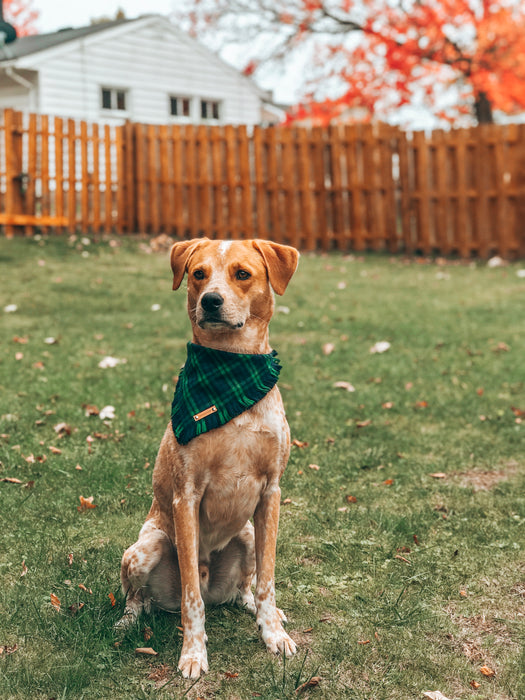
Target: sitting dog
(221, 458)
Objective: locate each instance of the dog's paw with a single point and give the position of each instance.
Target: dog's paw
(126, 621)
(248, 601)
(193, 663)
(278, 642)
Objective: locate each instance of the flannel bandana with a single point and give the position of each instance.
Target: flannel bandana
(214, 386)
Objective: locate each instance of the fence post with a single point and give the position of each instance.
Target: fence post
(13, 166)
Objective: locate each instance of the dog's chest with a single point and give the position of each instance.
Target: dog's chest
(249, 453)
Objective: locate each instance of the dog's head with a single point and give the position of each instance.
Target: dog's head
(229, 286)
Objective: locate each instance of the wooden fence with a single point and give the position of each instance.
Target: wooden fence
(344, 187)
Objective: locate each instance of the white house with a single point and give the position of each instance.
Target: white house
(144, 69)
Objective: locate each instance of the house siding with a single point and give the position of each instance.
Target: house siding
(150, 61)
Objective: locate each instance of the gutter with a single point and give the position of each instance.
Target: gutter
(10, 71)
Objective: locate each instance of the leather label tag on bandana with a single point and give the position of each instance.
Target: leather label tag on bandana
(203, 414)
(214, 386)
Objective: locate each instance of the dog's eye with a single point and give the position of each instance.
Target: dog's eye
(199, 274)
(242, 274)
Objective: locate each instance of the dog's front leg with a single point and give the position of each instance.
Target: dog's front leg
(269, 618)
(193, 659)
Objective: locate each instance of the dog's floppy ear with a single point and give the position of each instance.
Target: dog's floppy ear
(179, 257)
(281, 262)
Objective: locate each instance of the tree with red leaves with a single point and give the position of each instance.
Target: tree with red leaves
(21, 15)
(460, 58)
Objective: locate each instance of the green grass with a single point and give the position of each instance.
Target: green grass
(432, 618)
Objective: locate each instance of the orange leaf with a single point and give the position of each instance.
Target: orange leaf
(11, 480)
(363, 423)
(298, 443)
(388, 482)
(315, 467)
(227, 674)
(146, 650)
(113, 601)
(486, 671)
(475, 684)
(85, 503)
(351, 499)
(55, 602)
(364, 641)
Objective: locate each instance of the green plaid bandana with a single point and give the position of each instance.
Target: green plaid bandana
(214, 386)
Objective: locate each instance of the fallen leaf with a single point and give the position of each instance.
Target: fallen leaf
(50, 341)
(38, 365)
(24, 569)
(501, 347)
(315, 467)
(73, 609)
(421, 404)
(328, 348)
(398, 556)
(4, 649)
(351, 499)
(518, 412)
(55, 450)
(486, 671)
(90, 410)
(343, 509)
(86, 503)
(19, 356)
(83, 588)
(480, 391)
(108, 362)
(380, 347)
(343, 385)
(227, 674)
(364, 641)
(298, 443)
(62, 429)
(475, 684)
(438, 475)
(114, 602)
(387, 405)
(363, 423)
(286, 501)
(147, 632)
(146, 650)
(315, 680)
(78, 468)
(409, 386)
(21, 340)
(70, 559)
(11, 480)
(107, 413)
(55, 602)
(435, 695)
(388, 482)
(414, 537)
(463, 594)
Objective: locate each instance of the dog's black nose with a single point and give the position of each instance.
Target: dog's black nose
(212, 302)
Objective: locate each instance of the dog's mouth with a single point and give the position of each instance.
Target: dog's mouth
(213, 322)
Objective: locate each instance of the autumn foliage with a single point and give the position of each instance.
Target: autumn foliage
(21, 15)
(459, 58)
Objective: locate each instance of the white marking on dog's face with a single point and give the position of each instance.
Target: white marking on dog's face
(223, 247)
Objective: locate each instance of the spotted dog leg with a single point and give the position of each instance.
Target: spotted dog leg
(138, 562)
(269, 617)
(193, 659)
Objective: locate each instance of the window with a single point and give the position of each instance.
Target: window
(180, 106)
(210, 109)
(114, 98)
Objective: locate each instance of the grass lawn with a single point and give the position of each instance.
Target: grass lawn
(400, 554)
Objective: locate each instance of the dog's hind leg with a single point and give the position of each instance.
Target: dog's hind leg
(138, 562)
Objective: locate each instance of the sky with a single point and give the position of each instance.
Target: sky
(56, 14)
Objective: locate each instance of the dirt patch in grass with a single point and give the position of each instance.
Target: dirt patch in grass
(485, 480)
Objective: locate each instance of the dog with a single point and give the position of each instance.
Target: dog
(198, 545)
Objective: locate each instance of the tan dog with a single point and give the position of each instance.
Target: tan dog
(198, 545)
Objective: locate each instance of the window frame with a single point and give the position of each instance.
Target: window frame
(115, 94)
(216, 110)
(180, 99)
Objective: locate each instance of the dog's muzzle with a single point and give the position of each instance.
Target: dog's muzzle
(212, 312)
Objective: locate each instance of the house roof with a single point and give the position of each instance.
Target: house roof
(29, 45)
(26, 45)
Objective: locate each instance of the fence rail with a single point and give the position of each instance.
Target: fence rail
(344, 187)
